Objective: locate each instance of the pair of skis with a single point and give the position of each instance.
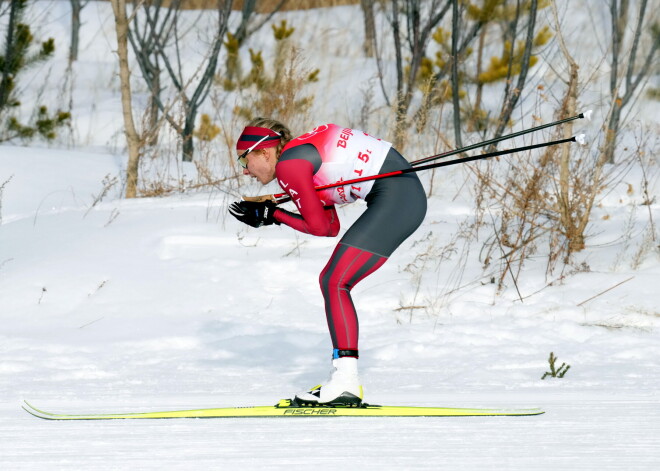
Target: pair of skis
(287, 408)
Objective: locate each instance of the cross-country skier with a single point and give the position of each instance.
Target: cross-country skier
(396, 207)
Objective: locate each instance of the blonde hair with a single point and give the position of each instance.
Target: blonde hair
(276, 126)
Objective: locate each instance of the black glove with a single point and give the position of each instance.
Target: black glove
(254, 214)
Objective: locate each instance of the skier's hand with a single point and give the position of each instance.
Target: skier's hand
(254, 214)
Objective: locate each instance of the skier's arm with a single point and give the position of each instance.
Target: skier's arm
(295, 177)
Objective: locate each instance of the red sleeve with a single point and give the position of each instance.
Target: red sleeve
(295, 177)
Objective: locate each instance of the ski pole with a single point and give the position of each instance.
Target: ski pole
(284, 197)
(586, 114)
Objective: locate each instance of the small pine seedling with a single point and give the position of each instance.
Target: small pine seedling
(556, 372)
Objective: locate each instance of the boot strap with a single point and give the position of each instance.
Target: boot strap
(337, 353)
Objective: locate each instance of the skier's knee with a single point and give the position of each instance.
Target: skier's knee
(332, 281)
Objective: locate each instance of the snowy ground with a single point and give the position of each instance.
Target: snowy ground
(575, 434)
(148, 304)
(162, 303)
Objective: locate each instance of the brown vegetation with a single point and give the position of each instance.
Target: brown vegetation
(267, 6)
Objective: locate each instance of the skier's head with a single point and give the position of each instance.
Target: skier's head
(259, 127)
(259, 147)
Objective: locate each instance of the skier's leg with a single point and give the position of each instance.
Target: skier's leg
(395, 208)
(347, 266)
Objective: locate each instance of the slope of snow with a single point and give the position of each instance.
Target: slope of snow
(108, 304)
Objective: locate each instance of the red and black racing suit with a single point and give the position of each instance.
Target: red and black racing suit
(396, 206)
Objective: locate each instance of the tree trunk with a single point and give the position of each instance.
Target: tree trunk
(455, 24)
(512, 99)
(369, 45)
(474, 123)
(132, 138)
(400, 121)
(154, 111)
(246, 12)
(76, 8)
(612, 130)
(187, 135)
(619, 16)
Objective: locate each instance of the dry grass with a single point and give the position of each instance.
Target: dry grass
(267, 6)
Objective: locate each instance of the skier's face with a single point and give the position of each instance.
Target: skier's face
(261, 165)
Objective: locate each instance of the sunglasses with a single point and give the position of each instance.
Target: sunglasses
(242, 159)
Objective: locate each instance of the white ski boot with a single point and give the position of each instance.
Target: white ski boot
(342, 389)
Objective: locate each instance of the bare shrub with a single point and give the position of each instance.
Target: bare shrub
(545, 197)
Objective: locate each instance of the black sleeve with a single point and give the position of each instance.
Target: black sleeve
(305, 152)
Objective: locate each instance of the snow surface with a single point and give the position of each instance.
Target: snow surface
(109, 304)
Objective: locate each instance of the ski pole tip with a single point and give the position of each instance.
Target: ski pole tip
(581, 139)
(587, 115)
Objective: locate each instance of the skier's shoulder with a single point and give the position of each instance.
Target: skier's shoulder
(304, 152)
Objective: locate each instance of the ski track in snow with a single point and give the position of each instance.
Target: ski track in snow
(575, 434)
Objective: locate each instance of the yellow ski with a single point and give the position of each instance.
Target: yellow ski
(285, 409)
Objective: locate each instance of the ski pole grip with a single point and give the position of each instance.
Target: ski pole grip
(277, 199)
(259, 199)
